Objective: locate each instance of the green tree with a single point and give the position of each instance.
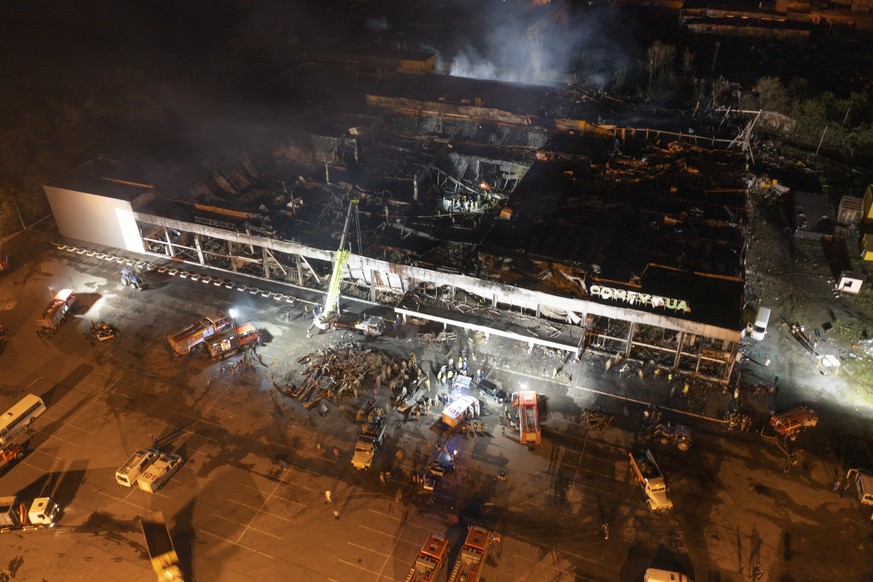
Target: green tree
(771, 95)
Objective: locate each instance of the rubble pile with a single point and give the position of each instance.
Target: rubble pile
(344, 371)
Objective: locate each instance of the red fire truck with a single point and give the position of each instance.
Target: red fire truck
(56, 312)
(188, 338)
(468, 568)
(231, 340)
(528, 417)
(430, 560)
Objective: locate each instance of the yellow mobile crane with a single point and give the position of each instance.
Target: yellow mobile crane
(327, 317)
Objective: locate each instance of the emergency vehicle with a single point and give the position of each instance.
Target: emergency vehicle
(430, 561)
(188, 338)
(528, 417)
(468, 567)
(57, 311)
(227, 342)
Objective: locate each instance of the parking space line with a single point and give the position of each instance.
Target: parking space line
(260, 531)
(378, 531)
(389, 516)
(558, 554)
(276, 496)
(120, 499)
(52, 436)
(264, 512)
(71, 425)
(197, 434)
(264, 504)
(374, 572)
(207, 532)
(367, 549)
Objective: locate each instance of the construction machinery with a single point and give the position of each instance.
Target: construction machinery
(160, 547)
(20, 515)
(103, 331)
(648, 474)
(471, 559)
(671, 433)
(130, 277)
(430, 561)
(57, 311)
(327, 317)
(188, 338)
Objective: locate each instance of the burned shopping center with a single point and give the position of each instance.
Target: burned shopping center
(473, 204)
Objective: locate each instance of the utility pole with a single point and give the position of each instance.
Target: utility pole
(822, 139)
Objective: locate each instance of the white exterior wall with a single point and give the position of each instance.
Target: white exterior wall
(95, 219)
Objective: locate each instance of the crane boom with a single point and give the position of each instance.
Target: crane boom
(331, 301)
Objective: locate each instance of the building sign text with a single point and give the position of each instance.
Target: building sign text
(635, 297)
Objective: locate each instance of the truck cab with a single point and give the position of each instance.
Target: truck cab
(17, 514)
(863, 481)
(43, 511)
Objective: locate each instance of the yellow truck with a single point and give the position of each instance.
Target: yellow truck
(159, 544)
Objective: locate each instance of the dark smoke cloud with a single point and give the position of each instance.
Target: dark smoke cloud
(379, 24)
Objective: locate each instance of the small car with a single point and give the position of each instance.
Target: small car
(489, 388)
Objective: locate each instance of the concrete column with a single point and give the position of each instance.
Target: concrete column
(299, 261)
(372, 285)
(266, 259)
(199, 250)
(170, 252)
(679, 345)
(630, 339)
(230, 252)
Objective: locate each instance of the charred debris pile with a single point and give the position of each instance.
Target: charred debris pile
(348, 371)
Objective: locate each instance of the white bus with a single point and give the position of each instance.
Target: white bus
(19, 417)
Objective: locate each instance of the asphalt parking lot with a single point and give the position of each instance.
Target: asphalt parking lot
(250, 500)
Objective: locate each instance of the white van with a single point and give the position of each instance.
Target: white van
(135, 465)
(655, 575)
(759, 330)
(158, 473)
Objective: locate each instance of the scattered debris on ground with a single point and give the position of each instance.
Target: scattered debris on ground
(347, 370)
